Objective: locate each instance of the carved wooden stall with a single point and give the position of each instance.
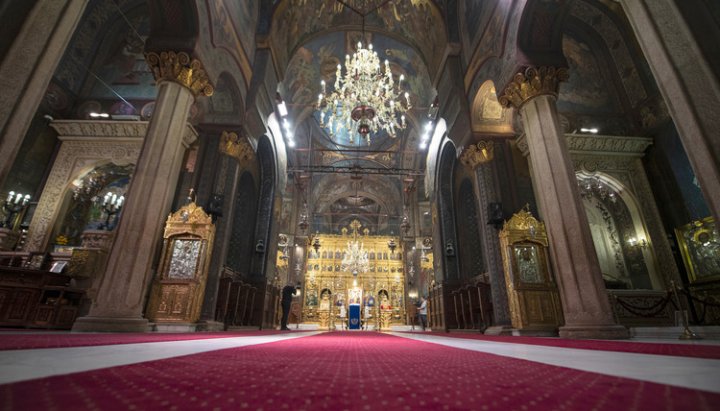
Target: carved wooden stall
(533, 296)
(37, 299)
(473, 307)
(179, 288)
(235, 300)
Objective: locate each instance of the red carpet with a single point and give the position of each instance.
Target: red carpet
(698, 350)
(54, 340)
(355, 371)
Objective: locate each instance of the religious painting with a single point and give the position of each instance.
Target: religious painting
(184, 259)
(123, 67)
(311, 299)
(233, 29)
(588, 89)
(528, 264)
(700, 247)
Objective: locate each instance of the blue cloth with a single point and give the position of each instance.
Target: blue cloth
(354, 317)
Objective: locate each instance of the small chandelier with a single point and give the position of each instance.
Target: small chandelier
(355, 258)
(365, 99)
(595, 187)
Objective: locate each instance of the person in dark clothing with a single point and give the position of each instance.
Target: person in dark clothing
(287, 294)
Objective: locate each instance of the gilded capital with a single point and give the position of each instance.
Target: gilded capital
(535, 81)
(236, 147)
(477, 154)
(180, 68)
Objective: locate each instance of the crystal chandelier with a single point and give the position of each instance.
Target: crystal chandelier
(365, 99)
(355, 258)
(595, 187)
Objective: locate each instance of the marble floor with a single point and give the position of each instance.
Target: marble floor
(697, 373)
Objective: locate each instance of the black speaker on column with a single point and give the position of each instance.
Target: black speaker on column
(495, 215)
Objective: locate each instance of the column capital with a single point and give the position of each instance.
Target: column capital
(533, 82)
(180, 68)
(477, 154)
(236, 147)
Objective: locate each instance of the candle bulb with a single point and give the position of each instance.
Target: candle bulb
(17, 198)
(106, 199)
(10, 196)
(26, 199)
(120, 201)
(114, 199)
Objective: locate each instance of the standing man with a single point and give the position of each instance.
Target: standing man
(422, 312)
(287, 294)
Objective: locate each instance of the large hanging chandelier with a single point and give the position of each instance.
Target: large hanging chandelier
(355, 259)
(365, 98)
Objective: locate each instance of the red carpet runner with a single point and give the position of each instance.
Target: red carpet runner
(698, 350)
(54, 340)
(356, 371)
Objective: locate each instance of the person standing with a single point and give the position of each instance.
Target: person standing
(422, 312)
(286, 301)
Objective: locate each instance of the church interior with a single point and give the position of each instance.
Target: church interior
(352, 204)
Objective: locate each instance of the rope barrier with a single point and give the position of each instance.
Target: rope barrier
(656, 308)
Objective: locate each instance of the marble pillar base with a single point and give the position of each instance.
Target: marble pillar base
(111, 324)
(499, 330)
(175, 327)
(535, 332)
(210, 326)
(596, 332)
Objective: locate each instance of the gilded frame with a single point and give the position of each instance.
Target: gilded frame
(699, 243)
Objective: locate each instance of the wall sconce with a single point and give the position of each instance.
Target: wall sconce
(111, 205)
(282, 108)
(640, 243)
(14, 203)
(434, 108)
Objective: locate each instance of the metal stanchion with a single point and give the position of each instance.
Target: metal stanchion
(687, 334)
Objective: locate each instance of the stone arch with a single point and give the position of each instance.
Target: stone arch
(615, 222)
(84, 211)
(265, 207)
(447, 246)
(487, 115)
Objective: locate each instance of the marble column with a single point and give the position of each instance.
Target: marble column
(27, 68)
(121, 295)
(688, 82)
(586, 306)
(479, 158)
(231, 156)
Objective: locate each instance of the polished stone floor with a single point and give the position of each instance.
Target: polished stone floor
(697, 373)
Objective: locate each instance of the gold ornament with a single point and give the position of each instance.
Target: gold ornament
(237, 147)
(182, 69)
(535, 81)
(477, 154)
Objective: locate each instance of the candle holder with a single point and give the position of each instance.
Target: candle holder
(111, 205)
(14, 203)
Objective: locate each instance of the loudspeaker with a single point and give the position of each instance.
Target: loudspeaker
(495, 214)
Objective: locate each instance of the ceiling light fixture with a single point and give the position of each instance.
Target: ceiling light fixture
(365, 98)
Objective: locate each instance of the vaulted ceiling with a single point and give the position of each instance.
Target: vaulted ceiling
(460, 51)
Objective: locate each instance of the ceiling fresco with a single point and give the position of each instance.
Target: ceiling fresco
(587, 88)
(418, 22)
(318, 59)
